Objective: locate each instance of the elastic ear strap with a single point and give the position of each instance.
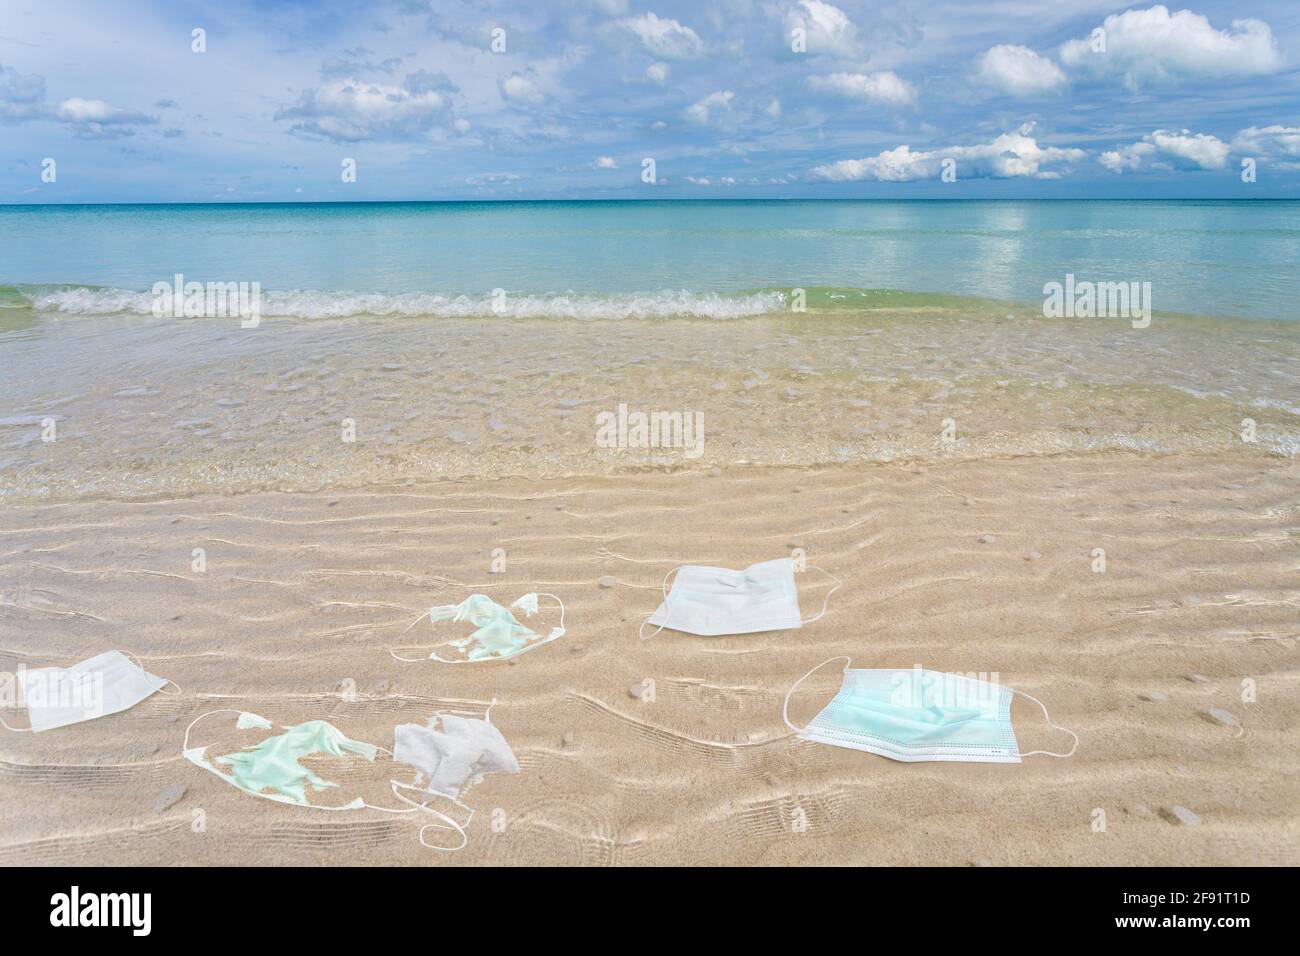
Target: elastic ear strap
(140, 664)
(450, 823)
(17, 730)
(827, 600)
(185, 745)
(640, 631)
(556, 599)
(785, 707)
(1048, 753)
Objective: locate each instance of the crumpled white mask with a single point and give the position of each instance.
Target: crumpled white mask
(457, 754)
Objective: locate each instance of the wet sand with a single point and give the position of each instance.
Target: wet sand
(977, 565)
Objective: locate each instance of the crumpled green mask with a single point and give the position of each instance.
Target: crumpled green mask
(271, 769)
(498, 634)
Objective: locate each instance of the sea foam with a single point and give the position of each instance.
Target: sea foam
(310, 304)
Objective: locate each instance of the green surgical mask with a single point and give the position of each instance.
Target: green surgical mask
(271, 768)
(498, 634)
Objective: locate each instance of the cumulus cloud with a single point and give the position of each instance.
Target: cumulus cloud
(1019, 71)
(1165, 149)
(664, 38)
(706, 181)
(605, 162)
(699, 112)
(1154, 46)
(886, 87)
(96, 119)
(518, 88)
(1271, 141)
(350, 111)
(1011, 155)
(827, 29)
(22, 98)
(657, 73)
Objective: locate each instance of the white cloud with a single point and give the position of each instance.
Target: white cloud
(1274, 140)
(886, 87)
(517, 88)
(22, 96)
(351, 111)
(605, 162)
(1127, 157)
(705, 181)
(1011, 155)
(492, 179)
(1019, 71)
(657, 73)
(1154, 46)
(1163, 149)
(699, 112)
(665, 38)
(773, 109)
(827, 29)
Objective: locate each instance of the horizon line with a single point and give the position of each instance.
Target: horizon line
(635, 200)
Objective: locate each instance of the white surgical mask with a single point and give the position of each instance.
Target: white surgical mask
(918, 715)
(451, 752)
(105, 684)
(713, 601)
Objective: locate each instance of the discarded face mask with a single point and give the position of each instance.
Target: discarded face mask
(712, 601)
(919, 715)
(272, 770)
(458, 753)
(498, 634)
(450, 758)
(105, 684)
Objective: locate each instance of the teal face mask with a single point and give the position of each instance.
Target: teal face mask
(271, 768)
(918, 715)
(498, 634)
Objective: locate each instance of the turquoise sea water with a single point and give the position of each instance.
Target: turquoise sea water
(382, 319)
(607, 259)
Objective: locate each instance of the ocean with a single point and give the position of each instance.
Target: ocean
(607, 259)
(408, 341)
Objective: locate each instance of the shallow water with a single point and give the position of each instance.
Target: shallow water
(142, 406)
(383, 354)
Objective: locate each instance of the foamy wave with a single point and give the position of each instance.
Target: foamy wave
(329, 305)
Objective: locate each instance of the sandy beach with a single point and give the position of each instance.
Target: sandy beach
(672, 750)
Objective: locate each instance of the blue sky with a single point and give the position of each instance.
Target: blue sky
(1017, 95)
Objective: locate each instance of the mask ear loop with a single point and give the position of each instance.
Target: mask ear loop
(1048, 753)
(449, 822)
(555, 631)
(640, 631)
(17, 730)
(785, 707)
(166, 680)
(185, 744)
(827, 600)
